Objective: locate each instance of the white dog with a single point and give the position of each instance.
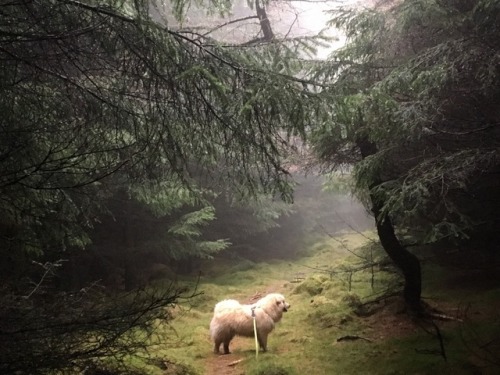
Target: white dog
(232, 318)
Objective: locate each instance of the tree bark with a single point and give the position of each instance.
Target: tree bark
(407, 262)
(265, 24)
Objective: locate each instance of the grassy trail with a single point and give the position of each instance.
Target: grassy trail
(310, 339)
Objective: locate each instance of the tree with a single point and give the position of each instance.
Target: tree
(89, 90)
(413, 96)
(98, 99)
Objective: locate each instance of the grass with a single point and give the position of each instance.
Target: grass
(322, 311)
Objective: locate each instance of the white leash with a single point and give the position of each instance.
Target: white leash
(255, 334)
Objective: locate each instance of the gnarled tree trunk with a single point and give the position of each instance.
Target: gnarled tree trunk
(407, 262)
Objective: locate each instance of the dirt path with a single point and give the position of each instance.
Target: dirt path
(230, 364)
(233, 364)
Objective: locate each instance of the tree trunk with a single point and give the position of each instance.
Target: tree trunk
(265, 24)
(407, 262)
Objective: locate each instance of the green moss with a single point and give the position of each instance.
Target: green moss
(267, 367)
(352, 300)
(310, 286)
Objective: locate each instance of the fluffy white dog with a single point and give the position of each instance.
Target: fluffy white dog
(232, 318)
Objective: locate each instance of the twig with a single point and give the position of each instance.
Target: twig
(342, 244)
(48, 267)
(443, 317)
(427, 318)
(440, 339)
(229, 23)
(352, 338)
(234, 363)
(381, 298)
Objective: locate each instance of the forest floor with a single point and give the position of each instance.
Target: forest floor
(388, 322)
(323, 334)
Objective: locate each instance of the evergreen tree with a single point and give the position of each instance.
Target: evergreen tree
(100, 99)
(413, 105)
(94, 88)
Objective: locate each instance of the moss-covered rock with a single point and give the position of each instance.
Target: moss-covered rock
(312, 286)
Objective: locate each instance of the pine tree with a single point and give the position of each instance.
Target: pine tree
(412, 96)
(103, 98)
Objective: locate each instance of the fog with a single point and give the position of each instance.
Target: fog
(289, 19)
(317, 213)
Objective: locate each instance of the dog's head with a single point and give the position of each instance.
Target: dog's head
(281, 303)
(274, 305)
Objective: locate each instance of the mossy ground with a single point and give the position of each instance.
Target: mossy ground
(323, 311)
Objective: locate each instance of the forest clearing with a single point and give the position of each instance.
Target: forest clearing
(330, 330)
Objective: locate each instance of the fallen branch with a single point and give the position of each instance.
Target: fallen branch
(352, 338)
(234, 363)
(443, 317)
